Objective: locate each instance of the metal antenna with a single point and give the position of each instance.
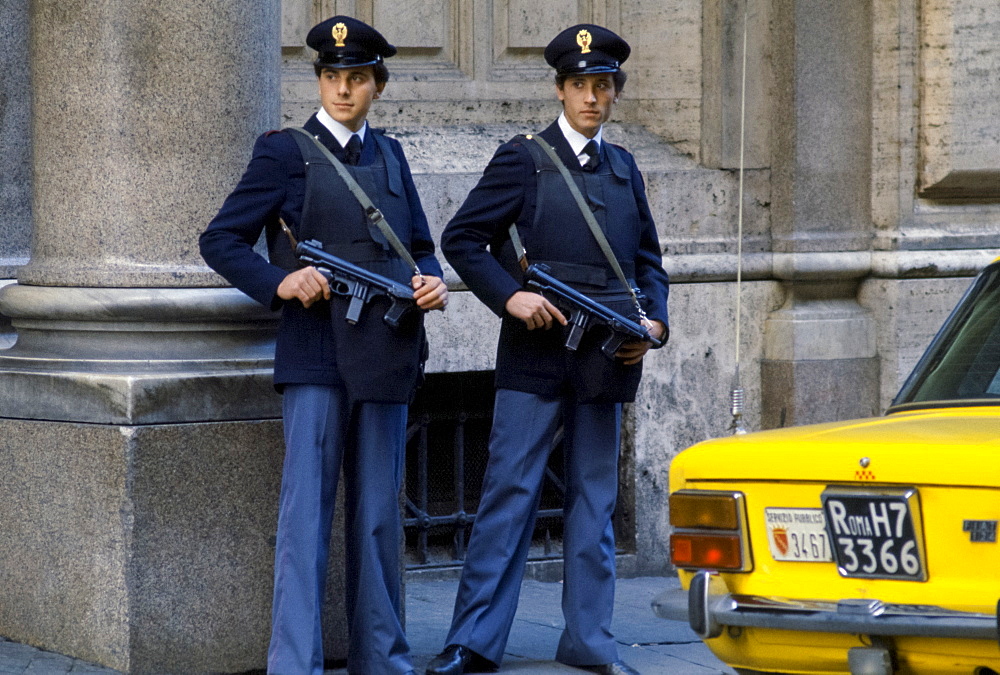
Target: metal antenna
(736, 394)
(736, 406)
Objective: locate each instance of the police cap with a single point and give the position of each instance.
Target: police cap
(344, 42)
(586, 48)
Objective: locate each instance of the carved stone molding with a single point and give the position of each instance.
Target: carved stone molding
(434, 38)
(522, 28)
(960, 99)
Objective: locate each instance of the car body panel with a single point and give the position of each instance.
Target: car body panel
(951, 457)
(832, 452)
(937, 451)
(787, 651)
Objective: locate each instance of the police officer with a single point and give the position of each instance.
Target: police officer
(345, 386)
(540, 383)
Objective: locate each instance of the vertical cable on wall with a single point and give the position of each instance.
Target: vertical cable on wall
(736, 395)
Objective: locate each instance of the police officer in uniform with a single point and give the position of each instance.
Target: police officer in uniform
(540, 383)
(345, 387)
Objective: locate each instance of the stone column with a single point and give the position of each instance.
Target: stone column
(15, 148)
(819, 361)
(140, 437)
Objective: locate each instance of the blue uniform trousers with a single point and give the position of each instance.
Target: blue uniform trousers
(520, 443)
(324, 430)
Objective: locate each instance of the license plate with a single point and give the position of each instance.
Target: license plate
(876, 535)
(797, 535)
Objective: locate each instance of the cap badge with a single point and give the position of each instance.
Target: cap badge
(583, 39)
(339, 34)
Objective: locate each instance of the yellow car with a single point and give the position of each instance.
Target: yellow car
(867, 546)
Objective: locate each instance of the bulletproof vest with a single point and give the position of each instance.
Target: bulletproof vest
(559, 235)
(333, 216)
(374, 361)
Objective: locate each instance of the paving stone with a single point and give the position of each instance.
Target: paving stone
(646, 642)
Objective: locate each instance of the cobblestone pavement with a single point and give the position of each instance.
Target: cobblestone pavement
(651, 645)
(18, 658)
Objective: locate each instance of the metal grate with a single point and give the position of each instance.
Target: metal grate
(446, 456)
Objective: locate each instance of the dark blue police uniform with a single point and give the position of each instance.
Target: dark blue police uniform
(344, 402)
(540, 383)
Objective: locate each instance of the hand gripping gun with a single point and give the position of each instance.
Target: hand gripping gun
(585, 313)
(359, 284)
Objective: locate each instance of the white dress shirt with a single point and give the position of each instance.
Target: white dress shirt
(339, 131)
(577, 140)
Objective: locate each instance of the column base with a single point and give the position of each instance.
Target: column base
(146, 549)
(141, 445)
(820, 361)
(137, 356)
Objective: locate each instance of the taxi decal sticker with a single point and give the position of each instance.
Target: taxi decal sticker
(864, 473)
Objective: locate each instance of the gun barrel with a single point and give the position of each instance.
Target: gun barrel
(308, 252)
(362, 285)
(539, 278)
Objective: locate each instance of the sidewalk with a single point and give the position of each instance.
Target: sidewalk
(651, 645)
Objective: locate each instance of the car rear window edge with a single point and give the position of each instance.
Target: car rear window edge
(937, 405)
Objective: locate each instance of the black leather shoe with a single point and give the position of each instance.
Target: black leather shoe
(616, 668)
(458, 659)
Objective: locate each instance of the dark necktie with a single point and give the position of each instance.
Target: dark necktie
(352, 153)
(590, 149)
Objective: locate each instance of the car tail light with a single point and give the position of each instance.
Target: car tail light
(719, 552)
(709, 531)
(710, 511)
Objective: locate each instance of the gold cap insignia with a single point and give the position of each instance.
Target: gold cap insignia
(583, 39)
(339, 34)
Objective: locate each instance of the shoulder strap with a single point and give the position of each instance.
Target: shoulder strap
(371, 211)
(392, 166)
(595, 229)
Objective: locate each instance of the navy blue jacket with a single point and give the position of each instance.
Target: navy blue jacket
(476, 243)
(273, 186)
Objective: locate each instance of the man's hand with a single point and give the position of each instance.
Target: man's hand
(632, 352)
(534, 310)
(430, 292)
(306, 285)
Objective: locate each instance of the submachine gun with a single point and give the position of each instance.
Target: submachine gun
(359, 284)
(585, 313)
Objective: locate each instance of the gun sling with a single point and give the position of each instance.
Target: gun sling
(595, 229)
(371, 211)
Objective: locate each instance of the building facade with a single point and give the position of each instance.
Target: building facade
(139, 437)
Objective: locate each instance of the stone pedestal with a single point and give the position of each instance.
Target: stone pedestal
(144, 548)
(820, 360)
(137, 356)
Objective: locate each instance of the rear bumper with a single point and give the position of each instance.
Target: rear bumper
(708, 606)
